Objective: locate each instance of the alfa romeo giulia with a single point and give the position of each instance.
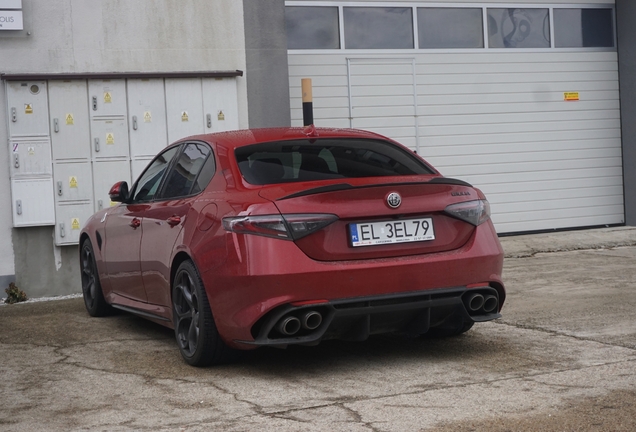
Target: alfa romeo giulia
(273, 237)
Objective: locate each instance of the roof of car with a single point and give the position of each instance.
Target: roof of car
(238, 138)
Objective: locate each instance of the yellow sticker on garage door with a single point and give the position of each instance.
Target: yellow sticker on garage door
(570, 96)
(75, 224)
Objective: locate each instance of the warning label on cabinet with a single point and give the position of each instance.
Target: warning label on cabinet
(75, 224)
(69, 119)
(570, 96)
(184, 116)
(72, 182)
(110, 138)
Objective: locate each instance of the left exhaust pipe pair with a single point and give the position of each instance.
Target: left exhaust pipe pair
(290, 325)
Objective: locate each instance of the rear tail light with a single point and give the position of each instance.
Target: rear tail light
(286, 227)
(474, 212)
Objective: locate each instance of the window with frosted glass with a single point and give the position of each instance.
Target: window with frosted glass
(450, 28)
(312, 27)
(378, 27)
(518, 28)
(583, 28)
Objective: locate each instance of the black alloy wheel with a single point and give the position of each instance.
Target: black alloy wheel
(195, 331)
(91, 288)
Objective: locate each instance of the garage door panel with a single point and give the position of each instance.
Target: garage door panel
(562, 108)
(511, 68)
(522, 77)
(517, 98)
(494, 118)
(496, 128)
(424, 89)
(534, 156)
(530, 138)
(487, 179)
(506, 192)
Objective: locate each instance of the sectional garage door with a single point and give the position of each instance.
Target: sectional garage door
(538, 130)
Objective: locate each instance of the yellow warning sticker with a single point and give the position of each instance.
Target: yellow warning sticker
(31, 150)
(108, 98)
(571, 96)
(28, 109)
(69, 119)
(221, 116)
(75, 224)
(147, 117)
(110, 138)
(184, 116)
(72, 182)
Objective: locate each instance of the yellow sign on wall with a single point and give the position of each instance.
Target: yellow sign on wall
(72, 182)
(108, 98)
(110, 138)
(571, 96)
(75, 224)
(69, 119)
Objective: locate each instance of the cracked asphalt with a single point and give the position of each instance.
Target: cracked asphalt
(562, 358)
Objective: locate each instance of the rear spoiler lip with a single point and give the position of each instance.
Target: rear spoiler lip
(345, 186)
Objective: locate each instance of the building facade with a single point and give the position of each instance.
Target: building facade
(523, 99)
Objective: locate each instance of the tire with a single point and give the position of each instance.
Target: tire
(197, 337)
(91, 287)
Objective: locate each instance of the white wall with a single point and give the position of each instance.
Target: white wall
(83, 36)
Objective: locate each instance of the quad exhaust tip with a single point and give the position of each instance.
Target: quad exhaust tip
(475, 302)
(480, 303)
(490, 303)
(290, 325)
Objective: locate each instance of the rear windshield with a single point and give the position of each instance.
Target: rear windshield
(326, 158)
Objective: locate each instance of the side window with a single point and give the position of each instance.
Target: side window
(185, 172)
(150, 180)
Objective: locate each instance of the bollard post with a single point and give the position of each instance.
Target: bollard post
(308, 105)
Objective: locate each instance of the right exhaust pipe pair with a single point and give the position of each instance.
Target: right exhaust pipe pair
(290, 325)
(477, 302)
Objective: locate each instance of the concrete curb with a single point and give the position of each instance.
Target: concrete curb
(601, 238)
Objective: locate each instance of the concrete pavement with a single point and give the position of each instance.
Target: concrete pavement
(563, 357)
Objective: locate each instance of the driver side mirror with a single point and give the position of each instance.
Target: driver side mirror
(119, 192)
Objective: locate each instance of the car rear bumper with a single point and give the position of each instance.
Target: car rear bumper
(357, 319)
(265, 277)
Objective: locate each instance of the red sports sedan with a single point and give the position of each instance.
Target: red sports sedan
(272, 237)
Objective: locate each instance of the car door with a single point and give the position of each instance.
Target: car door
(164, 220)
(123, 230)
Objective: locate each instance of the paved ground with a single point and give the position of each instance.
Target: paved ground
(562, 358)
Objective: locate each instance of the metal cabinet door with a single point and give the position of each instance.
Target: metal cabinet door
(28, 110)
(220, 104)
(184, 108)
(32, 202)
(105, 175)
(109, 137)
(146, 117)
(70, 135)
(69, 220)
(107, 98)
(73, 181)
(30, 157)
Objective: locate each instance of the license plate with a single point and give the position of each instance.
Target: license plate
(390, 232)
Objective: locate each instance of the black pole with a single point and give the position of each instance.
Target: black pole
(308, 104)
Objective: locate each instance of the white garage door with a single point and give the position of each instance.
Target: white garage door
(536, 127)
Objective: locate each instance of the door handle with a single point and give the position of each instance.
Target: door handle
(135, 223)
(174, 220)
